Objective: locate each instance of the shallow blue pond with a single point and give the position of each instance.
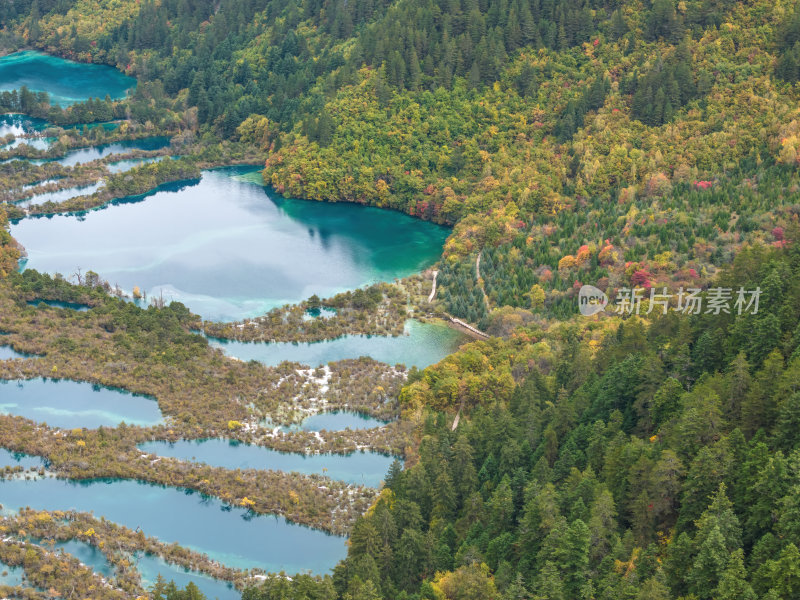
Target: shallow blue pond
(86, 553)
(19, 124)
(19, 459)
(423, 344)
(339, 420)
(70, 404)
(363, 468)
(8, 353)
(11, 576)
(231, 535)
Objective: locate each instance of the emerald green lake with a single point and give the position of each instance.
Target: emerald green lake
(362, 468)
(228, 534)
(422, 345)
(69, 404)
(229, 248)
(66, 81)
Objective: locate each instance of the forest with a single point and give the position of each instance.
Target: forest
(618, 143)
(646, 459)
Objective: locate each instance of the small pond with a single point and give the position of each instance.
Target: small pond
(361, 468)
(422, 344)
(70, 404)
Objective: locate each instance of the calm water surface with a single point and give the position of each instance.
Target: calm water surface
(90, 153)
(8, 353)
(69, 404)
(423, 344)
(66, 81)
(19, 459)
(364, 468)
(339, 420)
(61, 195)
(149, 568)
(231, 535)
(58, 304)
(86, 553)
(40, 143)
(229, 248)
(38, 183)
(10, 575)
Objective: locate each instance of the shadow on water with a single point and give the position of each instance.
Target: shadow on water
(325, 220)
(9, 458)
(225, 250)
(58, 304)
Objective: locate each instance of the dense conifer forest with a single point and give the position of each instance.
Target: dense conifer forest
(618, 143)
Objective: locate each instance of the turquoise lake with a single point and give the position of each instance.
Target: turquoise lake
(422, 345)
(228, 534)
(66, 81)
(362, 468)
(229, 248)
(19, 459)
(69, 404)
